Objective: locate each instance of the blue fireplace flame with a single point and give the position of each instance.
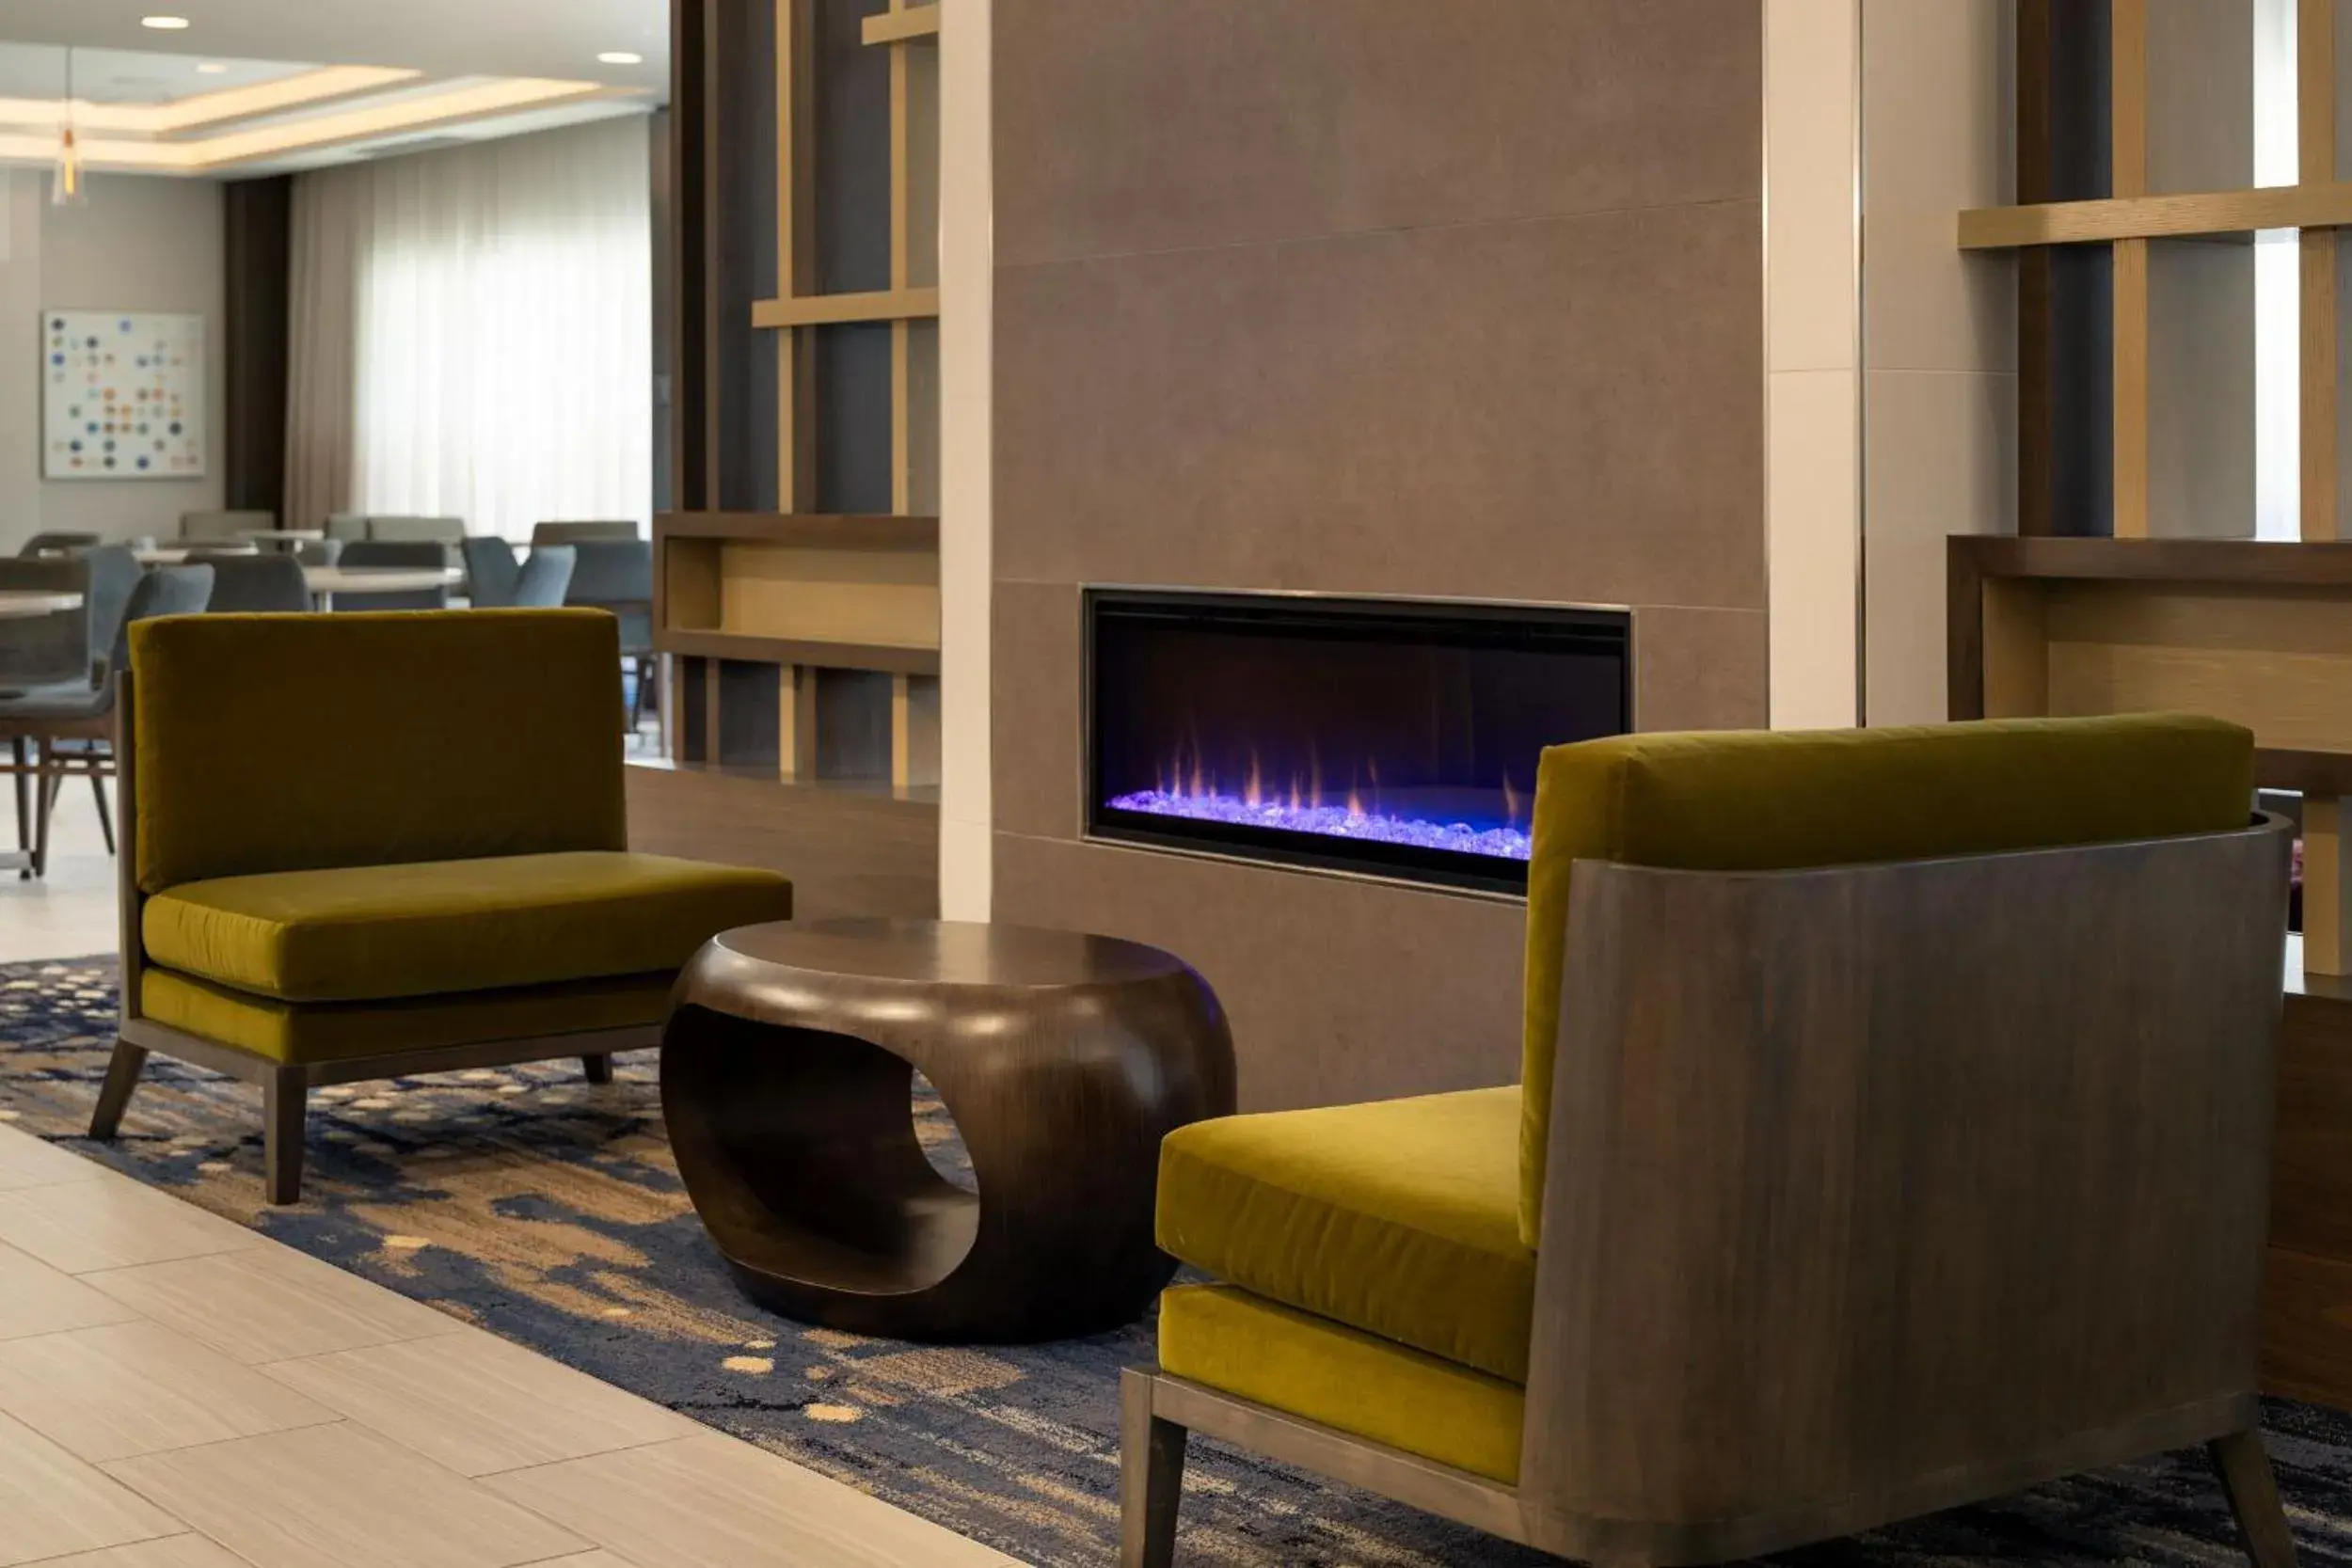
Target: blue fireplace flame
(1501, 841)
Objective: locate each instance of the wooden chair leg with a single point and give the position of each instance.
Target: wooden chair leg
(105, 815)
(2253, 1494)
(47, 782)
(23, 799)
(285, 1101)
(122, 1076)
(599, 1068)
(1150, 1477)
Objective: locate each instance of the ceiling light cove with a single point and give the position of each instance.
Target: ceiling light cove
(165, 23)
(620, 56)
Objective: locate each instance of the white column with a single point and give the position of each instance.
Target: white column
(1813, 529)
(966, 558)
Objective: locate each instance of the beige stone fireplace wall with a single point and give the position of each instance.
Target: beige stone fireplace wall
(1364, 296)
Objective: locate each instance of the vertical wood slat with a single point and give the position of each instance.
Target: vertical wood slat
(901, 332)
(2035, 407)
(2315, 147)
(2129, 158)
(796, 242)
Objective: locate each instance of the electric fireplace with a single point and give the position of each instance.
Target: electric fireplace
(1389, 736)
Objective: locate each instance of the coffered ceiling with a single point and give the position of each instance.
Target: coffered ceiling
(253, 87)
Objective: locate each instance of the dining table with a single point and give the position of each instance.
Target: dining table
(281, 538)
(325, 582)
(23, 604)
(177, 555)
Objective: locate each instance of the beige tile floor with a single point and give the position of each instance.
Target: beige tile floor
(177, 1392)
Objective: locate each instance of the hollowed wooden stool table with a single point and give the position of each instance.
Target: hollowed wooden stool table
(787, 1078)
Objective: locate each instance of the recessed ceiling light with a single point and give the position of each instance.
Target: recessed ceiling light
(620, 56)
(164, 23)
(212, 68)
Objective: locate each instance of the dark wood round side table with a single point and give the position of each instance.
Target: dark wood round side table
(787, 1079)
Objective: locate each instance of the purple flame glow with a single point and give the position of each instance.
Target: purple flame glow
(1461, 838)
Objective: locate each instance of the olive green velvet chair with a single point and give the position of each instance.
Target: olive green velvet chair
(360, 846)
(1893, 1132)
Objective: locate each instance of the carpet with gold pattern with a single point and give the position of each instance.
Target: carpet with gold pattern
(548, 1211)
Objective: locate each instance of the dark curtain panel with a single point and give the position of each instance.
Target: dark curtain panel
(259, 228)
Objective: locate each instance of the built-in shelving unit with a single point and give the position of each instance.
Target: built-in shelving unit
(797, 572)
(831, 625)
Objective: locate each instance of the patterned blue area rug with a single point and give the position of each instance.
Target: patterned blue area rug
(548, 1211)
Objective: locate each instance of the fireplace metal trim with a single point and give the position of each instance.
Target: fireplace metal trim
(1289, 856)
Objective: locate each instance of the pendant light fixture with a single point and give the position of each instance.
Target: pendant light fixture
(65, 185)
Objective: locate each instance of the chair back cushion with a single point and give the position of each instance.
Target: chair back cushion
(1756, 801)
(490, 571)
(46, 650)
(256, 584)
(285, 743)
(545, 577)
(164, 590)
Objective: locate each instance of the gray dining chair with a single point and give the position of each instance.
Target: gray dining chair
(573, 533)
(491, 571)
(255, 584)
(319, 552)
(546, 577)
(617, 575)
(58, 728)
(56, 543)
(346, 527)
(384, 552)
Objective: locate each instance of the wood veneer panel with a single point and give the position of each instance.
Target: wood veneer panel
(848, 851)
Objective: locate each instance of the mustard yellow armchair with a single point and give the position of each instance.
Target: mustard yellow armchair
(1893, 1132)
(360, 845)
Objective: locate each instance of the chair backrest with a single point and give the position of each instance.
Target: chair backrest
(46, 650)
(1914, 1178)
(113, 575)
(346, 526)
(490, 571)
(545, 576)
(56, 543)
(210, 526)
(319, 552)
(1737, 801)
(572, 533)
(165, 590)
(611, 572)
(445, 531)
(256, 584)
(385, 552)
(375, 740)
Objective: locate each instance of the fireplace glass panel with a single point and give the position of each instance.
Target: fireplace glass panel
(1387, 737)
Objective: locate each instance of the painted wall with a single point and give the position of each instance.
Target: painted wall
(140, 244)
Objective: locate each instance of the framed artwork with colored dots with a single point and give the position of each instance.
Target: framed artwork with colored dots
(122, 395)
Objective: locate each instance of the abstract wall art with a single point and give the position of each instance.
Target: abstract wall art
(122, 395)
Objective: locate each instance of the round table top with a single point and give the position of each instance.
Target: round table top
(177, 555)
(22, 604)
(290, 535)
(948, 953)
(378, 580)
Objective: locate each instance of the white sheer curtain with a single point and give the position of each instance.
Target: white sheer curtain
(496, 341)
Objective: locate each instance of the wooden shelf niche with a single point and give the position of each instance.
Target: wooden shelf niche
(817, 639)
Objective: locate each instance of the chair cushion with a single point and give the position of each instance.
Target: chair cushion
(1794, 799)
(308, 1033)
(68, 701)
(1323, 1372)
(370, 933)
(290, 742)
(1396, 1217)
